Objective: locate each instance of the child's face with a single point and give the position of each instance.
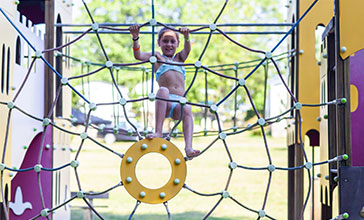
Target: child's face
(168, 43)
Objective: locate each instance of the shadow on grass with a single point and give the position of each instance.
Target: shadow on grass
(78, 215)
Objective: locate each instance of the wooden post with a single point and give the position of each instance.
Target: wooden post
(49, 43)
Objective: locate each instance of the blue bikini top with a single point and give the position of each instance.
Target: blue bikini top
(166, 67)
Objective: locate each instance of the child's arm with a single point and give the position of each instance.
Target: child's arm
(142, 56)
(187, 45)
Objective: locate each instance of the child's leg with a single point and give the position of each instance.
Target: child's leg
(160, 112)
(187, 129)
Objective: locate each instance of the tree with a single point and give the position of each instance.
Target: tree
(220, 50)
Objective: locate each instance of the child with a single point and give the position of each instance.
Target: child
(171, 81)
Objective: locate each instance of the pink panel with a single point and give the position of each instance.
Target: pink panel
(28, 180)
(357, 79)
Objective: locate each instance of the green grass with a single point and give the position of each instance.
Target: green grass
(100, 169)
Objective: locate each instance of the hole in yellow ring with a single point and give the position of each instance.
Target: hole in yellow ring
(153, 170)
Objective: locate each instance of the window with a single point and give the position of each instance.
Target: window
(59, 66)
(8, 72)
(18, 51)
(2, 69)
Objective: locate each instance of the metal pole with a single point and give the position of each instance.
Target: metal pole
(198, 33)
(313, 185)
(190, 25)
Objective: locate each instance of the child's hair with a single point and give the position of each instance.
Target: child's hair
(164, 30)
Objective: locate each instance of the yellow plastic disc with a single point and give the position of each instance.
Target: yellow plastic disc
(174, 184)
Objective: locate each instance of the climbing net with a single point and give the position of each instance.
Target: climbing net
(220, 135)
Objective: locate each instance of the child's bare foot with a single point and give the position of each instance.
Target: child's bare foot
(153, 135)
(191, 153)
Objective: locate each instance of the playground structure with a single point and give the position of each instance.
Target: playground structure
(54, 189)
(334, 128)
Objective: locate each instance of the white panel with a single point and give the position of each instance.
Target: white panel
(31, 98)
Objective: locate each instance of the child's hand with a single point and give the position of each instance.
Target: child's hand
(134, 31)
(185, 31)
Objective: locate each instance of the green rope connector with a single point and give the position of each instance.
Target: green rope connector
(64, 81)
(326, 116)
(261, 121)
(2, 166)
(122, 101)
(198, 64)
(183, 101)
(213, 108)
(153, 22)
(109, 64)
(261, 213)
(151, 96)
(346, 215)
(38, 168)
(343, 100)
(95, 26)
(212, 27)
(225, 194)
(345, 157)
(298, 105)
(38, 54)
(75, 163)
(233, 165)
(222, 136)
(92, 106)
(44, 212)
(46, 122)
(336, 179)
(205, 131)
(308, 165)
(101, 127)
(271, 168)
(80, 194)
(153, 59)
(268, 55)
(83, 135)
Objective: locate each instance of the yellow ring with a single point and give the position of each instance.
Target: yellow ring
(135, 188)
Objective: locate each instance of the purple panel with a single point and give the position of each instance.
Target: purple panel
(314, 137)
(28, 180)
(357, 79)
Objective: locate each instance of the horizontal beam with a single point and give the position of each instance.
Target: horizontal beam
(201, 32)
(185, 25)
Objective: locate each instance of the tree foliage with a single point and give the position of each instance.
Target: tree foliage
(219, 51)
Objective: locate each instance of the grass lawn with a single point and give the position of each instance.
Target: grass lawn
(100, 169)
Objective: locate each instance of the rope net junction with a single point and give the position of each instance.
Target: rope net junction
(221, 134)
